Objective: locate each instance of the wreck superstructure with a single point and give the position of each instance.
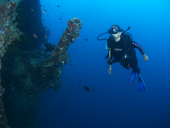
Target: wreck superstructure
(25, 69)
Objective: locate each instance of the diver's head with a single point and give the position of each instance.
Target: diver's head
(115, 32)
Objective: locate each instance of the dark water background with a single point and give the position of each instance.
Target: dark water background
(114, 103)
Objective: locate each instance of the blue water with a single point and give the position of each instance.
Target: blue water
(114, 103)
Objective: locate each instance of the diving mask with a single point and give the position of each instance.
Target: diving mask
(113, 30)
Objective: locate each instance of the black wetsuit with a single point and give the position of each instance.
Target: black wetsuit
(124, 52)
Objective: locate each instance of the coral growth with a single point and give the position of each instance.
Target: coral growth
(59, 54)
(8, 33)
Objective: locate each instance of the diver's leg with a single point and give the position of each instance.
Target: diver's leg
(136, 69)
(125, 65)
(128, 64)
(141, 84)
(134, 65)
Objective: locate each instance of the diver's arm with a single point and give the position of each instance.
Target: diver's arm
(110, 69)
(135, 45)
(109, 61)
(145, 57)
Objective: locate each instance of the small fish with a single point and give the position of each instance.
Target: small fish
(35, 36)
(58, 5)
(32, 10)
(43, 10)
(86, 39)
(45, 36)
(86, 88)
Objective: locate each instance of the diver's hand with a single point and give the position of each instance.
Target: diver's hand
(145, 57)
(110, 69)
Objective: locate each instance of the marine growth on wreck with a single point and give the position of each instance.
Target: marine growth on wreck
(8, 33)
(30, 72)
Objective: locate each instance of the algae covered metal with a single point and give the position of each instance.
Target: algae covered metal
(8, 33)
(59, 54)
(29, 74)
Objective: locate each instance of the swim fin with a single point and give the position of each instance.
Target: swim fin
(132, 77)
(141, 84)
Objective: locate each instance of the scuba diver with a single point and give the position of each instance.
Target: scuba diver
(121, 47)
